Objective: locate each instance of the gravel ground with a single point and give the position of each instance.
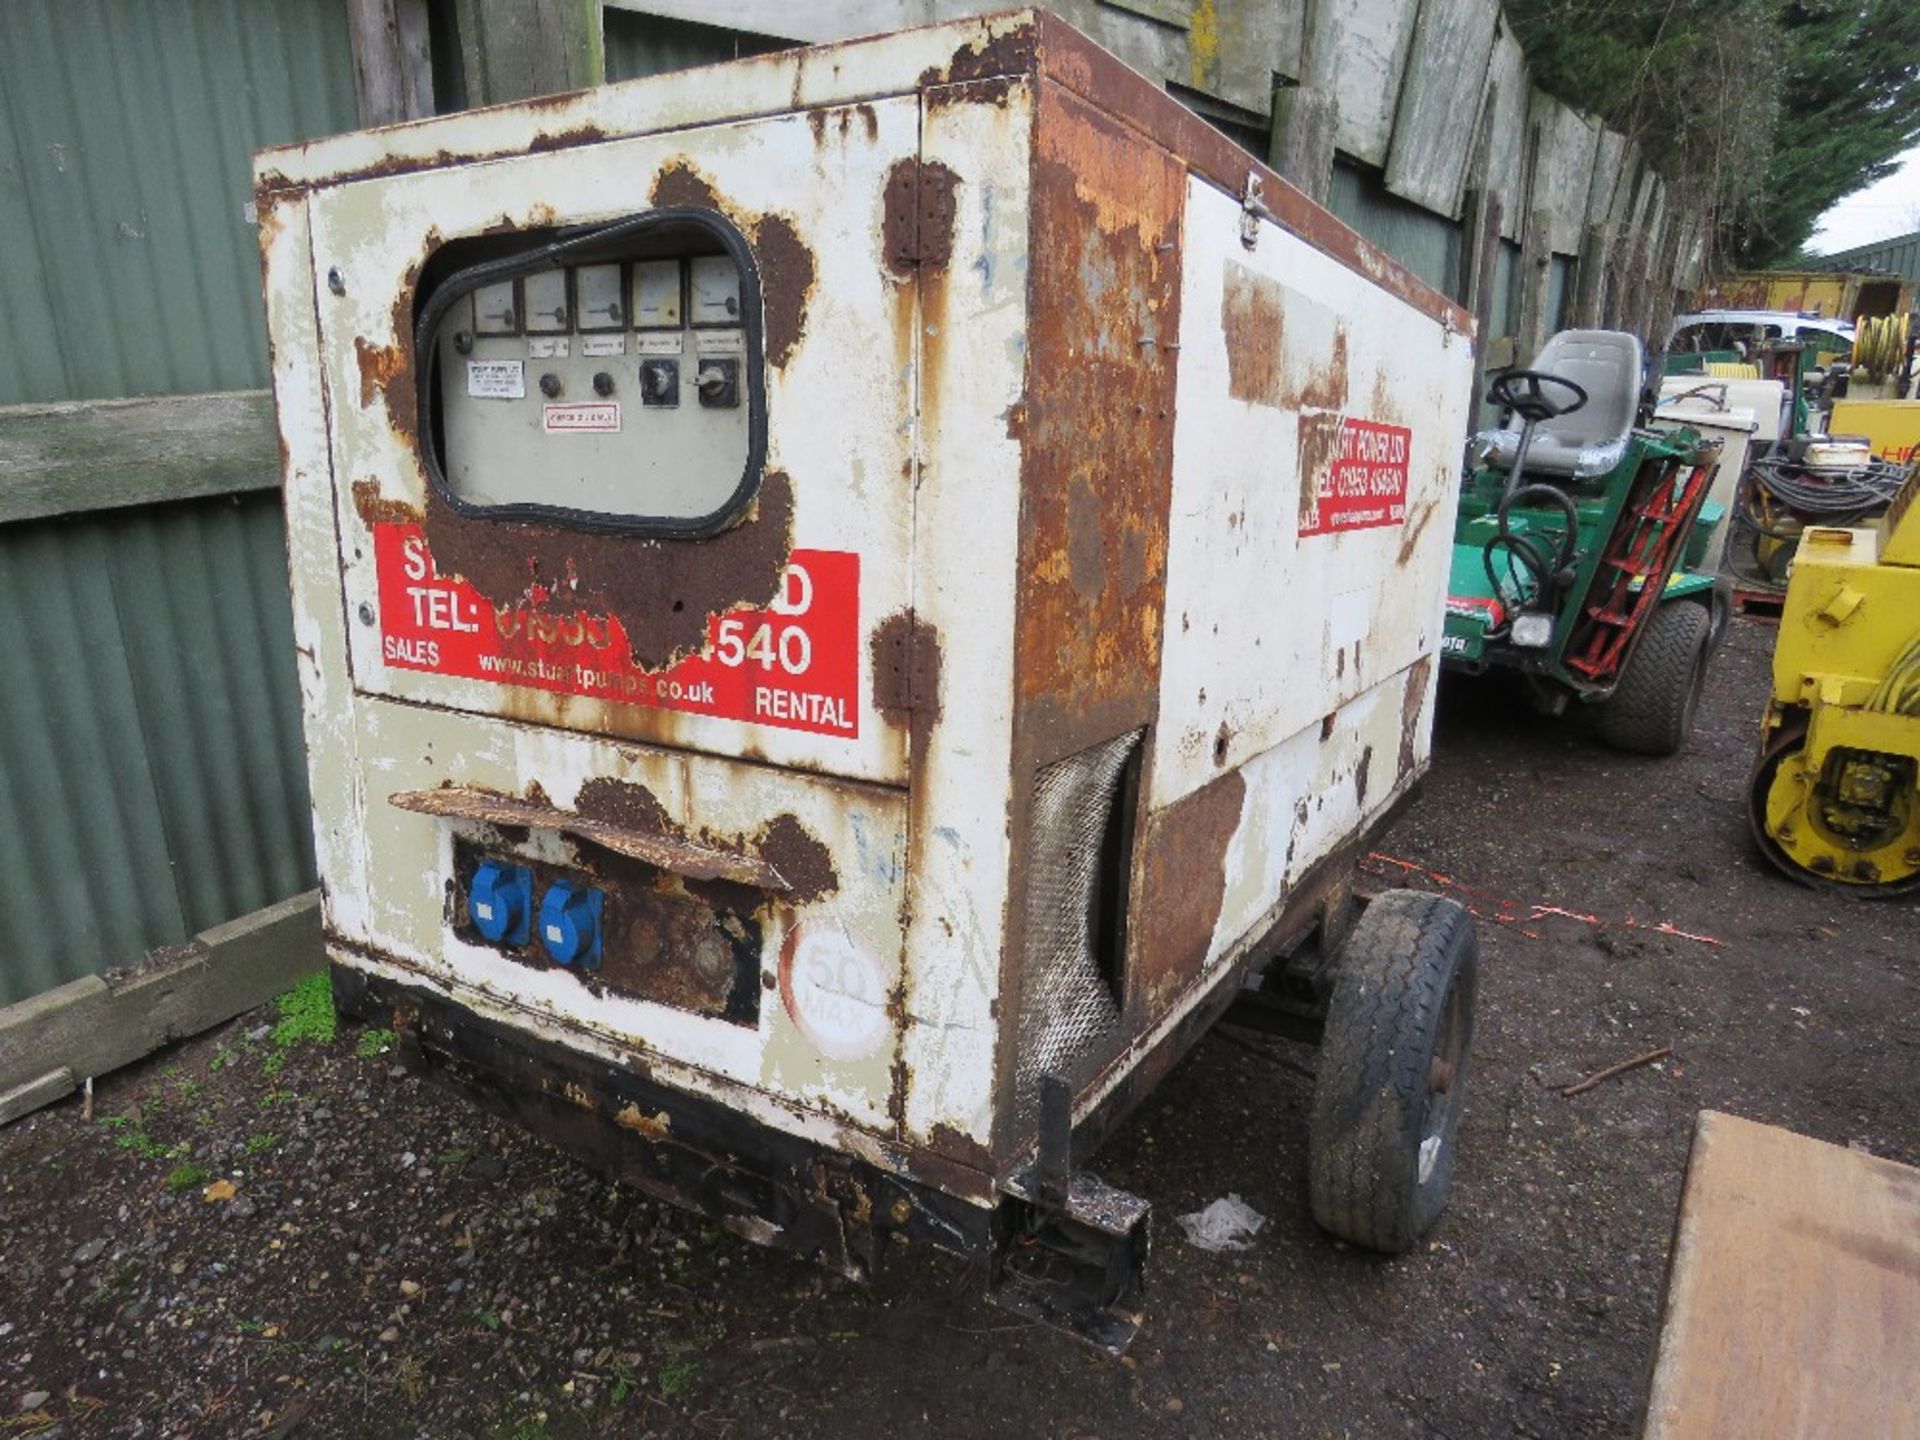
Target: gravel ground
(374, 1258)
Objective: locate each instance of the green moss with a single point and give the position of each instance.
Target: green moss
(185, 1177)
(306, 1012)
(306, 1015)
(374, 1042)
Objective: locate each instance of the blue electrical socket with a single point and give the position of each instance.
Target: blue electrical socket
(500, 902)
(570, 923)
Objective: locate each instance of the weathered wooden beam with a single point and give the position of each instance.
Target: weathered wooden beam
(1480, 261)
(392, 60)
(91, 1026)
(1357, 50)
(79, 455)
(1440, 100)
(1590, 275)
(1300, 146)
(517, 49)
(1536, 281)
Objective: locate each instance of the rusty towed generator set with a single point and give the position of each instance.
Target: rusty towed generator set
(851, 604)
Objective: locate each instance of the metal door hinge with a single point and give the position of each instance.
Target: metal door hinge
(918, 215)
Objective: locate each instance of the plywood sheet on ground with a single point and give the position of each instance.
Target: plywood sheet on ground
(1793, 1292)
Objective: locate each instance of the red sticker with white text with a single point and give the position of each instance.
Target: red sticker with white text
(1366, 483)
(793, 664)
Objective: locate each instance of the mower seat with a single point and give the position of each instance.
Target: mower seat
(1608, 365)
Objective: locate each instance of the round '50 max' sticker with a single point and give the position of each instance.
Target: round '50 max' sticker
(835, 990)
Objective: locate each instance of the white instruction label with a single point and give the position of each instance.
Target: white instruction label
(589, 419)
(603, 344)
(668, 344)
(496, 379)
(548, 347)
(721, 342)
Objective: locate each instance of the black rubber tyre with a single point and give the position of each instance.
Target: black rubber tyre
(1392, 1075)
(1651, 710)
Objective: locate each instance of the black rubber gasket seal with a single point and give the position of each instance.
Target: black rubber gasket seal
(595, 241)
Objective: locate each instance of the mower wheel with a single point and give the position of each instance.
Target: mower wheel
(1651, 710)
(1392, 1071)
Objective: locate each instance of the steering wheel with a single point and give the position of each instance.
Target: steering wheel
(1522, 391)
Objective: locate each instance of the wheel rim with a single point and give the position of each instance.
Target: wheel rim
(1445, 1071)
(1778, 812)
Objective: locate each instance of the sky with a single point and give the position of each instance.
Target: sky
(1881, 211)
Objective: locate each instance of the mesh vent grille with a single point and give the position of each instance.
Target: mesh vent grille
(1066, 1004)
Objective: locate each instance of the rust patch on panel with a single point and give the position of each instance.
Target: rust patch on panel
(841, 119)
(994, 90)
(623, 802)
(584, 134)
(1183, 881)
(1327, 386)
(673, 948)
(1096, 426)
(1411, 702)
(1416, 526)
(787, 271)
(803, 861)
(1255, 321)
(384, 369)
(786, 284)
(373, 508)
(681, 183)
(652, 1127)
(662, 591)
(1009, 53)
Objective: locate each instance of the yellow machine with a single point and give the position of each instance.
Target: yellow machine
(1892, 427)
(1836, 796)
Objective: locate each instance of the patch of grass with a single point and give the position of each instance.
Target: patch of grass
(490, 1319)
(306, 1016)
(458, 1156)
(258, 1144)
(374, 1042)
(185, 1177)
(127, 1137)
(677, 1375)
(148, 1148)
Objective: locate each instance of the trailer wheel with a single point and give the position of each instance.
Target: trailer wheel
(1392, 1073)
(1651, 710)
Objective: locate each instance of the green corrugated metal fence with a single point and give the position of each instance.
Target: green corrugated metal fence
(642, 45)
(151, 773)
(152, 776)
(128, 263)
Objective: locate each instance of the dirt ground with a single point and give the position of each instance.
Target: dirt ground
(393, 1263)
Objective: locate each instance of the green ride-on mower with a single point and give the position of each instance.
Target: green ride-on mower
(1574, 546)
